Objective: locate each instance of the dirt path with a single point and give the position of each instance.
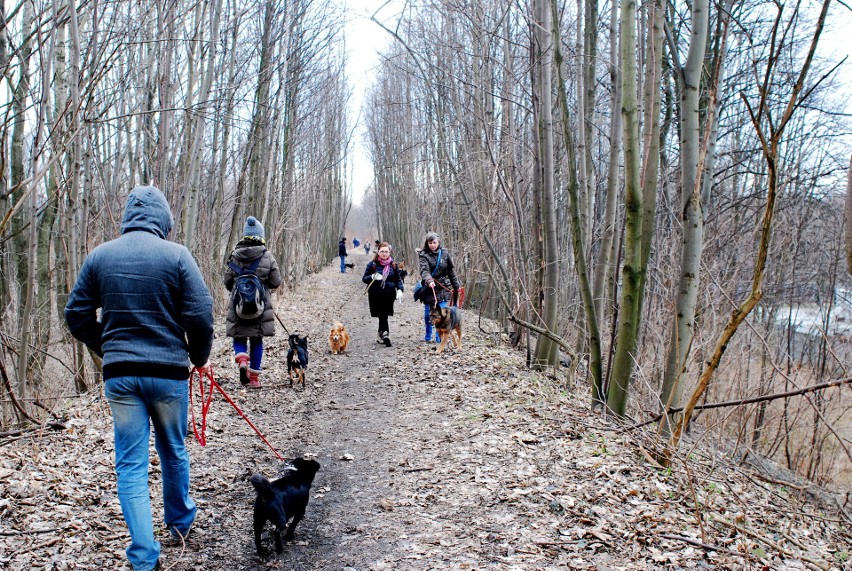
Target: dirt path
(456, 461)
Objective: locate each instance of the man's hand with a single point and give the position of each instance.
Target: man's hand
(205, 369)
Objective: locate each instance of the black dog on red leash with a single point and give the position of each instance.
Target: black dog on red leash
(281, 500)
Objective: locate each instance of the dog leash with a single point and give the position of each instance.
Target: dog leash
(205, 406)
(459, 292)
(281, 322)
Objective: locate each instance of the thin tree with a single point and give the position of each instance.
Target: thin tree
(770, 134)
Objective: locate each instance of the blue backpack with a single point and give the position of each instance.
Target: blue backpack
(248, 297)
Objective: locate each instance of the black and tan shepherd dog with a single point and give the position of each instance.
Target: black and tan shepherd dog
(297, 359)
(283, 499)
(448, 321)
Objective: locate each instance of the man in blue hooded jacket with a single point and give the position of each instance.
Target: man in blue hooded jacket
(156, 319)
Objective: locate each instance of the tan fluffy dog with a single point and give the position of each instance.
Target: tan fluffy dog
(338, 339)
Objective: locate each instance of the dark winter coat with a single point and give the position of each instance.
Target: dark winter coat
(382, 294)
(341, 248)
(156, 311)
(446, 275)
(267, 270)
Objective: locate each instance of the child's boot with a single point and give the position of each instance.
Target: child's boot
(242, 360)
(254, 379)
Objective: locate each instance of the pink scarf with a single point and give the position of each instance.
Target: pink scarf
(386, 266)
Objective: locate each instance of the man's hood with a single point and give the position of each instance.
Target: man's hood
(147, 209)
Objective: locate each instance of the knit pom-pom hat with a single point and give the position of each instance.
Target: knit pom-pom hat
(254, 230)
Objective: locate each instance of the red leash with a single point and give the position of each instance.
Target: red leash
(459, 292)
(205, 406)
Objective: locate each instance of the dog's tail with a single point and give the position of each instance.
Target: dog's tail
(262, 484)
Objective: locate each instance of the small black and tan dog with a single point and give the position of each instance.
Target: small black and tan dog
(297, 359)
(350, 266)
(283, 499)
(448, 322)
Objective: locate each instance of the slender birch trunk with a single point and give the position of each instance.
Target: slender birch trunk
(604, 267)
(577, 241)
(546, 354)
(692, 212)
(628, 326)
(770, 137)
(848, 217)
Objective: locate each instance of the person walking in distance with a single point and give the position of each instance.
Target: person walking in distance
(384, 288)
(251, 268)
(341, 251)
(439, 279)
(156, 318)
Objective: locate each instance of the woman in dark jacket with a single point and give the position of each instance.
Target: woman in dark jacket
(439, 279)
(385, 287)
(252, 247)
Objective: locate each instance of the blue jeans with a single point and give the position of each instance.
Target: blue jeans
(427, 311)
(136, 403)
(342, 264)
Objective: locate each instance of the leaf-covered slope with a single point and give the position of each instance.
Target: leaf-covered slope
(457, 461)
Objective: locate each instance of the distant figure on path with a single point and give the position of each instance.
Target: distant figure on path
(341, 251)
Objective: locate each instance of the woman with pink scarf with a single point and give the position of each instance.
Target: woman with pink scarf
(384, 287)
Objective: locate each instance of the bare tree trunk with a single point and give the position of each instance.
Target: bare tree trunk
(546, 354)
(17, 172)
(166, 34)
(227, 116)
(199, 128)
(604, 268)
(770, 143)
(683, 327)
(848, 216)
(592, 335)
(630, 308)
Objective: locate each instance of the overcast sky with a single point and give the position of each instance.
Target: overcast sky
(364, 40)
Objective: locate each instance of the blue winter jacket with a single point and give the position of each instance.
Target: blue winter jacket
(156, 310)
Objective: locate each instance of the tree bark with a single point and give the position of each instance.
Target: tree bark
(630, 307)
(683, 326)
(546, 354)
(592, 334)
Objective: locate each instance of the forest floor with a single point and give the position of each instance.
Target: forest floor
(464, 460)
